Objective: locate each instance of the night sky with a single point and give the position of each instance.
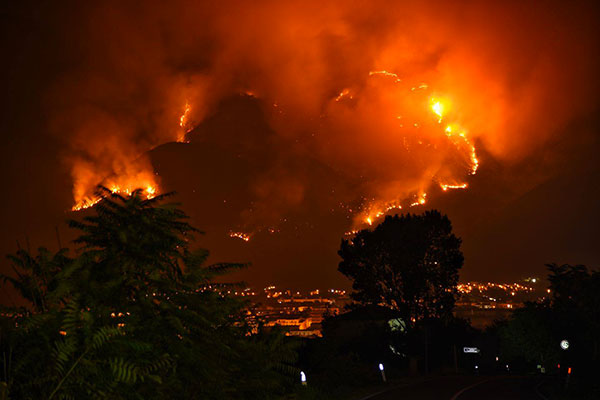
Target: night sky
(289, 129)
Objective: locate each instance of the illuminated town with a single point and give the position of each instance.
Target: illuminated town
(301, 313)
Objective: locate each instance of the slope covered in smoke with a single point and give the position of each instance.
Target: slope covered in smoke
(295, 222)
(134, 71)
(510, 224)
(92, 87)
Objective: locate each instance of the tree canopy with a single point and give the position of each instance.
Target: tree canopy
(409, 263)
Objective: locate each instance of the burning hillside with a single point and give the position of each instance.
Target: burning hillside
(393, 96)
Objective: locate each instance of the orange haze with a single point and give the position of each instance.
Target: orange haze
(396, 94)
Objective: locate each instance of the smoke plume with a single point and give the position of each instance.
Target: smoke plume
(353, 85)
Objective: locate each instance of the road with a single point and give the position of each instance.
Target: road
(467, 388)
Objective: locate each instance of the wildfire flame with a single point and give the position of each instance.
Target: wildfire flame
(183, 122)
(149, 192)
(438, 106)
(131, 179)
(85, 203)
(458, 137)
(386, 74)
(445, 187)
(240, 235)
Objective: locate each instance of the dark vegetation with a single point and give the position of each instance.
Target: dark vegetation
(134, 312)
(409, 263)
(404, 272)
(571, 312)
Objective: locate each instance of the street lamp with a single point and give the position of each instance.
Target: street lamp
(382, 372)
(564, 344)
(303, 378)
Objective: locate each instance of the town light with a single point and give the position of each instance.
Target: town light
(380, 366)
(564, 344)
(303, 378)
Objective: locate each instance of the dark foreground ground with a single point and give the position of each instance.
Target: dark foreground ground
(467, 388)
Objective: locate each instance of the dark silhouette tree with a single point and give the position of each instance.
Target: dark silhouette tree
(409, 263)
(531, 335)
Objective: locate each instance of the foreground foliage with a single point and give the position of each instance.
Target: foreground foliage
(135, 314)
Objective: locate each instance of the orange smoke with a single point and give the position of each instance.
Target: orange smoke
(394, 95)
(416, 136)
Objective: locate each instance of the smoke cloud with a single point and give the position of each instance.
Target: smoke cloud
(509, 76)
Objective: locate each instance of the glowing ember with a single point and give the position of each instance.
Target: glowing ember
(344, 93)
(387, 74)
(446, 187)
(421, 86)
(240, 235)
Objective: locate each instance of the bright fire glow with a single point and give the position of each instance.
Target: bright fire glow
(148, 192)
(438, 109)
(456, 134)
